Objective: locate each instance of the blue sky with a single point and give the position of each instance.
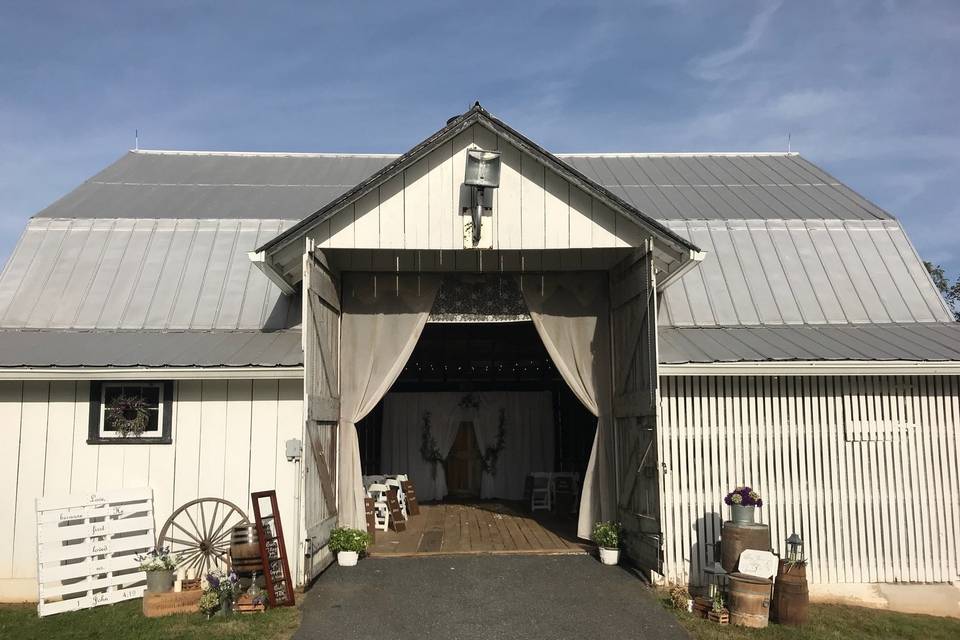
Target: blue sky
(867, 89)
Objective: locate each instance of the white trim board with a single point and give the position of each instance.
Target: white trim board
(813, 368)
(150, 373)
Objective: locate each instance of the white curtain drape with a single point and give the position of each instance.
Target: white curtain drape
(528, 444)
(382, 318)
(402, 435)
(570, 312)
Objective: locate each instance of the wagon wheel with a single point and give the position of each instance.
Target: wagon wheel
(199, 534)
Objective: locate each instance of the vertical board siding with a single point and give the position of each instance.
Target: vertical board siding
(864, 468)
(423, 207)
(228, 440)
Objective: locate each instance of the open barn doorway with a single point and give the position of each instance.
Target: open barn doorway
(477, 414)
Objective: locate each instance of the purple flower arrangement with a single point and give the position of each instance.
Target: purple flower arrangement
(743, 497)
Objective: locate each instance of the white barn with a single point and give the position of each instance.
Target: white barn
(798, 344)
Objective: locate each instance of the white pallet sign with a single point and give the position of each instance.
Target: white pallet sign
(86, 545)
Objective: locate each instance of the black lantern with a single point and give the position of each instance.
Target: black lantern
(794, 549)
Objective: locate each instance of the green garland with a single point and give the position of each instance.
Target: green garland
(428, 446)
(488, 461)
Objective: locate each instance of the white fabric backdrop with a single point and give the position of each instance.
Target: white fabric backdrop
(382, 319)
(528, 445)
(570, 313)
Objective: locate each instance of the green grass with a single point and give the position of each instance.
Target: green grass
(125, 620)
(832, 622)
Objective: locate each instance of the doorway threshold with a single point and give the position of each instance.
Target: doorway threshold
(480, 528)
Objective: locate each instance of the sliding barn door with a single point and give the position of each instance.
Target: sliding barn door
(633, 318)
(321, 353)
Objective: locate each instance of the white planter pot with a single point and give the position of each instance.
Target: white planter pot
(609, 556)
(347, 558)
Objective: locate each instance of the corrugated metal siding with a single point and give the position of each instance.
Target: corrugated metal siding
(914, 342)
(150, 349)
(142, 274)
(864, 468)
(801, 272)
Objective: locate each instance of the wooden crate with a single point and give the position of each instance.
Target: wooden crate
(244, 604)
(702, 606)
(720, 617)
(156, 605)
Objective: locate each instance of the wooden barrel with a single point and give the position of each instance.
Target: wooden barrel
(245, 549)
(748, 599)
(791, 596)
(737, 538)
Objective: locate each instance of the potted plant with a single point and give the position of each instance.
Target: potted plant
(743, 503)
(348, 544)
(607, 537)
(160, 566)
(220, 590)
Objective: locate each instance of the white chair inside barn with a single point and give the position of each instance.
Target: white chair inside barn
(381, 512)
(540, 492)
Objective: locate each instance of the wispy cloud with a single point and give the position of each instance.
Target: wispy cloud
(715, 66)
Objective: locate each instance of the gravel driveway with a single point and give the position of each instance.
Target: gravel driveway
(515, 597)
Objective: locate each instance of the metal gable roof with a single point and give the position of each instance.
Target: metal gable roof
(146, 274)
(915, 342)
(150, 349)
(798, 265)
(801, 272)
(161, 184)
(718, 186)
(292, 186)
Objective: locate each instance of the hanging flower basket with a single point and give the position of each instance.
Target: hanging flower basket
(128, 415)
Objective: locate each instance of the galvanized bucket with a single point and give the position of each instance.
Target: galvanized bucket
(741, 514)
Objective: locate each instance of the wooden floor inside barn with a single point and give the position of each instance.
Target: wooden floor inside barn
(480, 527)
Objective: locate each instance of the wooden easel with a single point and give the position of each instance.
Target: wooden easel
(273, 551)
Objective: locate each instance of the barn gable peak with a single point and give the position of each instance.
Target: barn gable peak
(419, 201)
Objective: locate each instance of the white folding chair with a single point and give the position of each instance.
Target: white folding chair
(381, 512)
(540, 494)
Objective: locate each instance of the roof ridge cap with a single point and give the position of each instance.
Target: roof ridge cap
(677, 154)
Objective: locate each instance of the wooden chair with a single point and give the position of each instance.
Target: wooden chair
(541, 492)
(566, 490)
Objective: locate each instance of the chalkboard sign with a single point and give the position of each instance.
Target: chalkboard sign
(273, 551)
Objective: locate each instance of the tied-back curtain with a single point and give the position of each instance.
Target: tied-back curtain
(570, 312)
(402, 438)
(383, 317)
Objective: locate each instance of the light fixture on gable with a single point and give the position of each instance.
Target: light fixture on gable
(483, 172)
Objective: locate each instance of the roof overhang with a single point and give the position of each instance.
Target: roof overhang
(814, 368)
(150, 373)
(679, 254)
